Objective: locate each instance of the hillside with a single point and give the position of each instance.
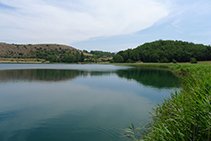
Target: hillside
(49, 53)
(41, 51)
(46, 52)
(165, 51)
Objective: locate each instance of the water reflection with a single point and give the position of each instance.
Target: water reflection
(149, 77)
(39, 75)
(156, 78)
(86, 104)
(69, 110)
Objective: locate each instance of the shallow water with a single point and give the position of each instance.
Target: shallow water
(77, 102)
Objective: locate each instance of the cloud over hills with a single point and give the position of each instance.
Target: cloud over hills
(69, 21)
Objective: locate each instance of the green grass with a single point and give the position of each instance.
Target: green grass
(186, 115)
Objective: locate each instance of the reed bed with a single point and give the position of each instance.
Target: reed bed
(186, 115)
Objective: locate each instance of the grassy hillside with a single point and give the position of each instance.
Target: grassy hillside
(45, 53)
(37, 53)
(30, 50)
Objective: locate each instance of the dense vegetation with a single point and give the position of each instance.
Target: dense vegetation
(186, 116)
(67, 56)
(164, 52)
(102, 53)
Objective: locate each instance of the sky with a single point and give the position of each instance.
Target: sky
(107, 25)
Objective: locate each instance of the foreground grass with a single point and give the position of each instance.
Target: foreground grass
(186, 115)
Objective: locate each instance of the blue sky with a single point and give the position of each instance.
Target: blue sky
(106, 25)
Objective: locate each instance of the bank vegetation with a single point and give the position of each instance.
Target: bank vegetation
(186, 115)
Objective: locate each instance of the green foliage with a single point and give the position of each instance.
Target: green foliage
(129, 61)
(186, 116)
(132, 132)
(118, 58)
(60, 55)
(174, 61)
(102, 53)
(69, 58)
(164, 60)
(51, 58)
(85, 51)
(82, 57)
(21, 53)
(159, 78)
(193, 60)
(165, 51)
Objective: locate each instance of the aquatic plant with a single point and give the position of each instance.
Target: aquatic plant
(186, 115)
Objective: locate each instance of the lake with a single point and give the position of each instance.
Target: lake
(66, 102)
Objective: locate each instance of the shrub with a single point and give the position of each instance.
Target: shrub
(129, 61)
(193, 60)
(118, 58)
(174, 61)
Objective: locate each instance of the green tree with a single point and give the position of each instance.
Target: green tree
(118, 58)
(51, 58)
(193, 60)
(174, 61)
(69, 58)
(82, 57)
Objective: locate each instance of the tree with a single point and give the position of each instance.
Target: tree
(118, 58)
(50, 58)
(193, 60)
(174, 61)
(69, 58)
(82, 57)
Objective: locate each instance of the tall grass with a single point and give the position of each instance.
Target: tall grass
(186, 115)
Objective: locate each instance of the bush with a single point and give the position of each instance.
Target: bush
(118, 58)
(164, 60)
(193, 60)
(174, 61)
(129, 61)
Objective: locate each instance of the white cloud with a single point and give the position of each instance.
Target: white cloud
(69, 21)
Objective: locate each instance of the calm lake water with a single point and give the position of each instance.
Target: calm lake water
(61, 102)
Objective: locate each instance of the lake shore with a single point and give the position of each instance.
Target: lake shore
(186, 115)
(22, 61)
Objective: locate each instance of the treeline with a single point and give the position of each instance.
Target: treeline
(165, 51)
(102, 53)
(98, 56)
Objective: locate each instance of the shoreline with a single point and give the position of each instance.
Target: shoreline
(186, 114)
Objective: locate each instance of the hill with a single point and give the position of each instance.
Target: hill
(50, 53)
(165, 51)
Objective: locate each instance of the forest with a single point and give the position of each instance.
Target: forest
(164, 51)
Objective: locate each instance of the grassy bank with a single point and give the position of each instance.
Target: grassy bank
(22, 60)
(186, 115)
